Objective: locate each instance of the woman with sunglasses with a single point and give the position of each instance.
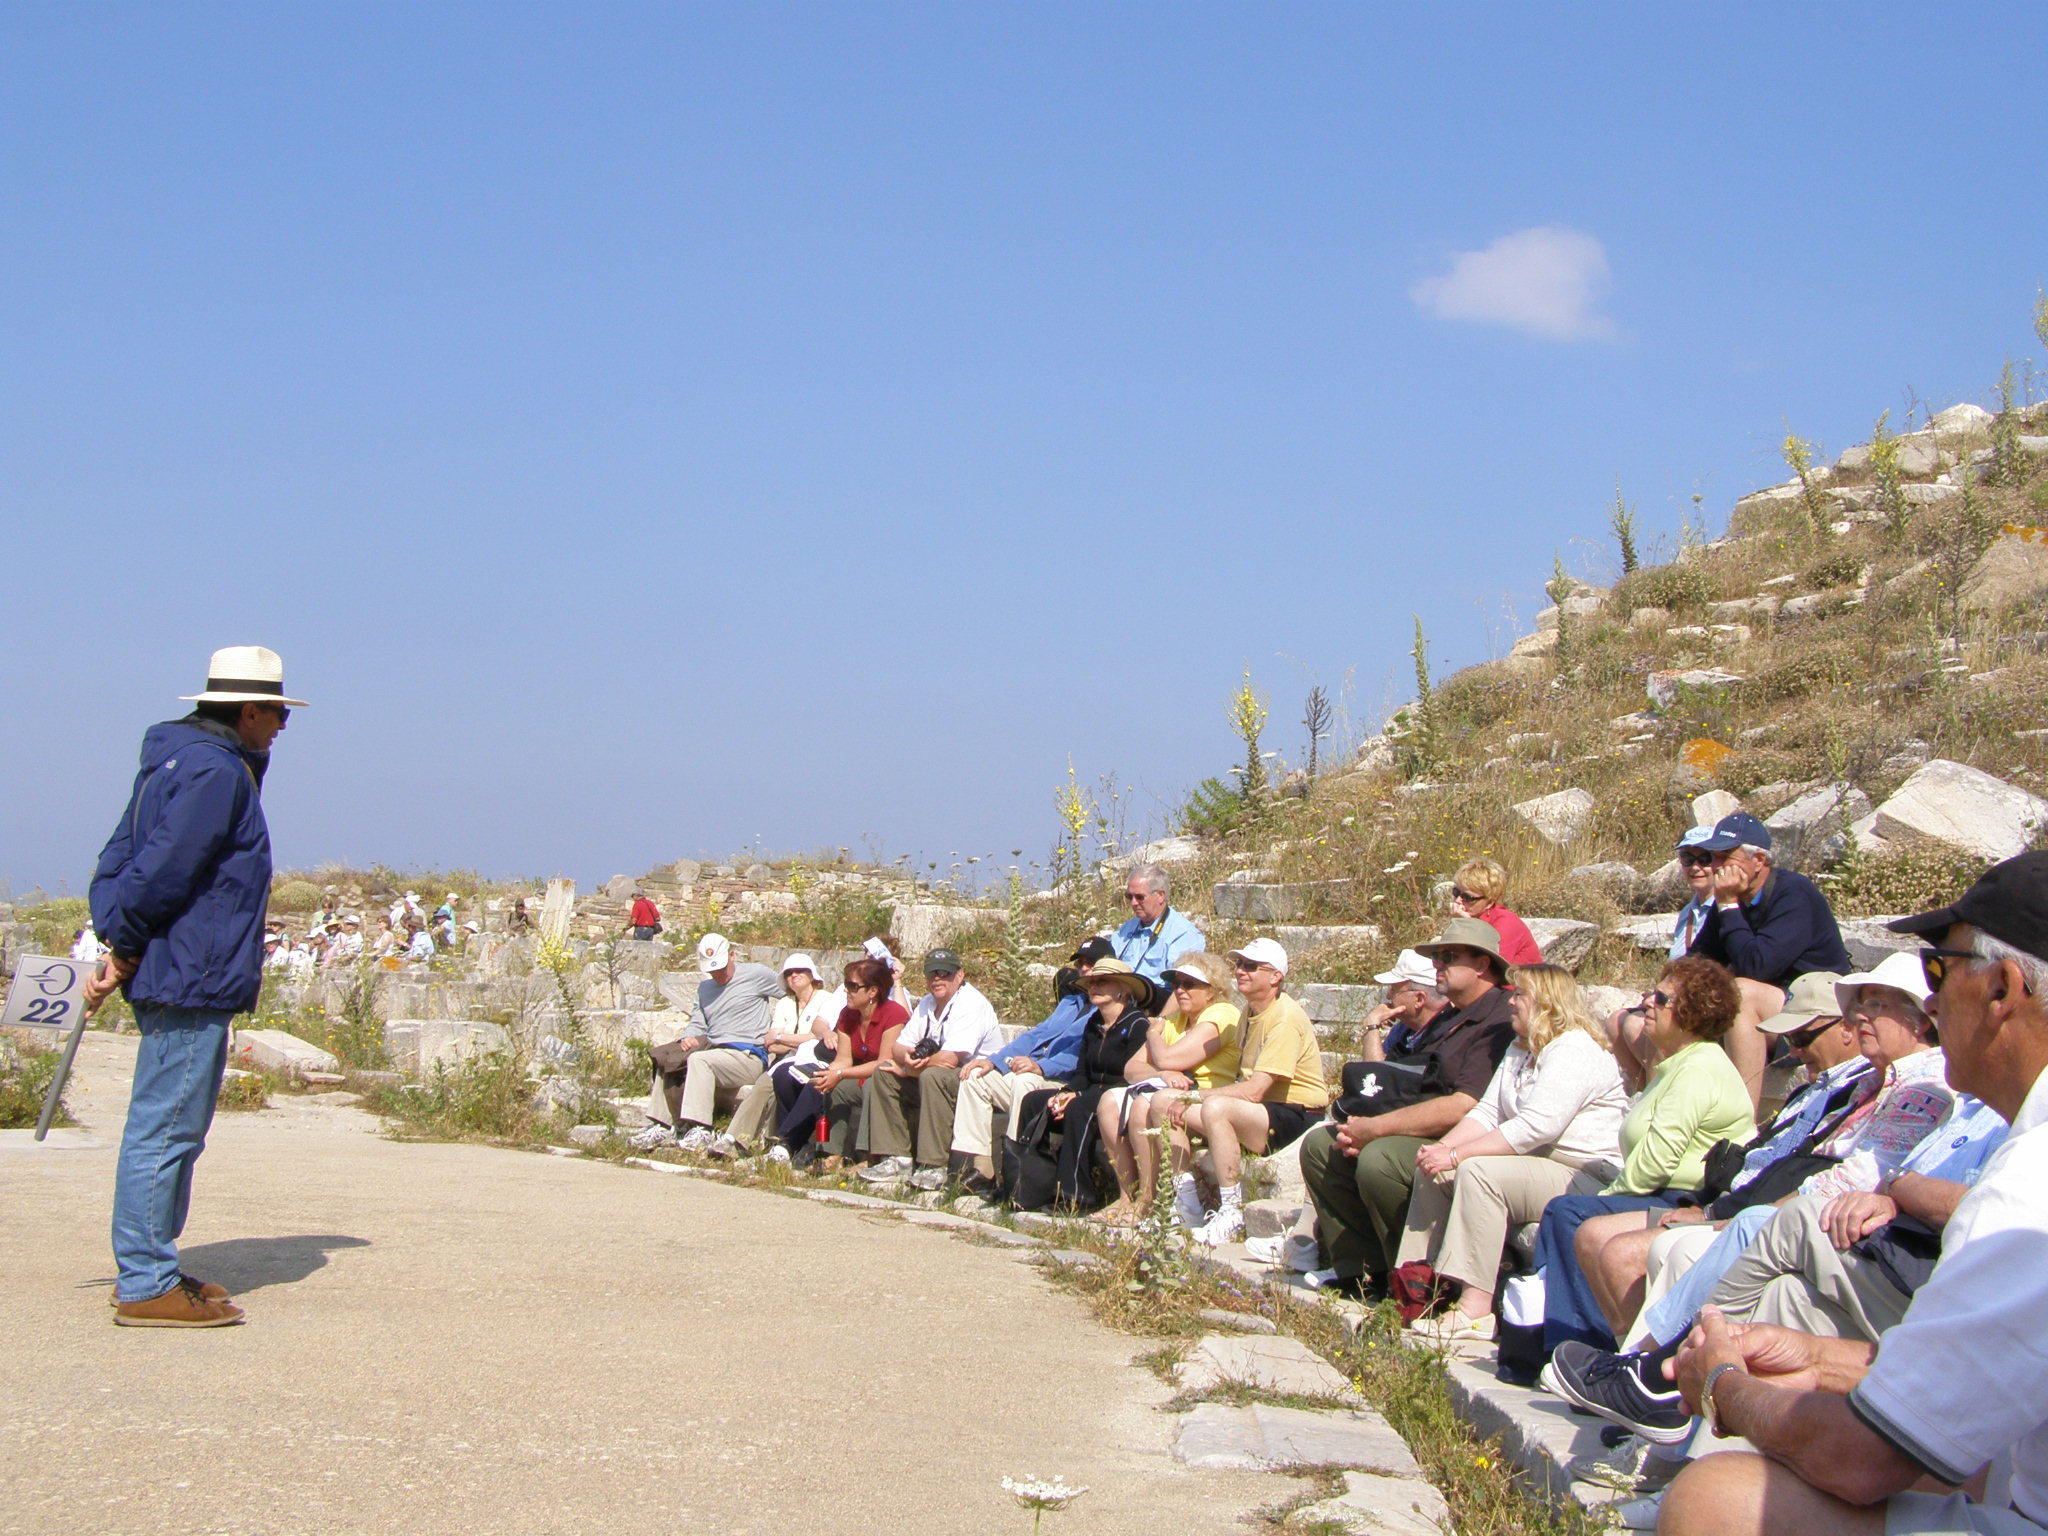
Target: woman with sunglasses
(867, 1027)
(1476, 891)
(1194, 1047)
(1627, 1027)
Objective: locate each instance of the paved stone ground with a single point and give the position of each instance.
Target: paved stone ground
(460, 1339)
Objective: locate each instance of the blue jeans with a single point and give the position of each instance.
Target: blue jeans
(1570, 1310)
(1671, 1318)
(177, 1079)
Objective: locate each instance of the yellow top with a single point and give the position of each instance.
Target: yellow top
(1282, 1042)
(1221, 1065)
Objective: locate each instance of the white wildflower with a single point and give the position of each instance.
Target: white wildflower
(1041, 1493)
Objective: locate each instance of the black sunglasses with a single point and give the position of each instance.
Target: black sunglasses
(1800, 1038)
(1660, 999)
(1470, 898)
(1695, 857)
(1934, 964)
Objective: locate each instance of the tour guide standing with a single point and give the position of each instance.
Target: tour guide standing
(178, 898)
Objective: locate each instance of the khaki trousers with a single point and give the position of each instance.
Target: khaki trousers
(982, 1100)
(713, 1075)
(1463, 1230)
(1794, 1276)
(755, 1116)
(886, 1122)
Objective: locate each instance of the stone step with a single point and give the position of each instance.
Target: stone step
(1269, 1218)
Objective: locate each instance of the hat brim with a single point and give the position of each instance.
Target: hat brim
(1195, 978)
(1921, 924)
(210, 697)
(1431, 950)
(1791, 1021)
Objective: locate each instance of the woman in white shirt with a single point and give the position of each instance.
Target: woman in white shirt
(799, 1043)
(1555, 1106)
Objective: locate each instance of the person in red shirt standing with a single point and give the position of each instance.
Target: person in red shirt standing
(1476, 891)
(646, 918)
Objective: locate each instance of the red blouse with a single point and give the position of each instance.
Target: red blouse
(867, 1038)
(1517, 943)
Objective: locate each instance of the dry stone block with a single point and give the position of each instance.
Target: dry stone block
(1259, 1438)
(1560, 818)
(1811, 832)
(1372, 1505)
(1963, 419)
(1870, 943)
(419, 1045)
(1665, 688)
(274, 1050)
(1335, 1003)
(1271, 1364)
(1270, 1218)
(1963, 808)
(2013, 570)
(915, 929)
(1276, 903)
(1299, 939)
(1622, 882)
(1712, 806)
(1653, 933)
(1564, 941)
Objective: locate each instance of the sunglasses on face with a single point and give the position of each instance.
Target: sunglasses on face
(1469, 898)
(1936, 963)
(1136, 895)
(1694, 858)
(1799, 1039)
(1660, 999)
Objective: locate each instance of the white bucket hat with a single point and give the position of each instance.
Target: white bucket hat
(244, 674)
(802, 962)
(1411, 966)
(1900, 971)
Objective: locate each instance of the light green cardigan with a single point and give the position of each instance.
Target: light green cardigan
(1694, 1099)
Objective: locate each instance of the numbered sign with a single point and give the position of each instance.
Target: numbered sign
(47, 993)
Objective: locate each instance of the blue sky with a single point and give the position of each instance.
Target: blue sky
(646, 430)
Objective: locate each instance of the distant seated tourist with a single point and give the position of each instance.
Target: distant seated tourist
(1844, 1434)
(831, 1101)
(387, 940)
(86, 948)
(992, 1088)
(522, 916)
(645, 919)
(419, 944)
(1110, 1056)
(723, 1048)
(1155, 932)
(1769, 927)
(1361, 1171)
(1695, 1099)
(1278, 1092)
(1552, 1113)
(346, 947)
(1194, 1046)
(953, 1024)
(1477, 890)
(277, 953)
(799, 1046)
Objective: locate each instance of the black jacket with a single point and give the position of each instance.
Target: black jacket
(1786, 930)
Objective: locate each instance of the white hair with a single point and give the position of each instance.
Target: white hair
(1756, 852)
(2033, 969)
(1154, 877)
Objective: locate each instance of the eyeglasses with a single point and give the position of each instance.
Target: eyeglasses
(1136, 895)
(282, 711)
(1182, 984)
(1248, 966)
(1799, 1039)
(1695, 858)
(1660, 999)
(1934, 964)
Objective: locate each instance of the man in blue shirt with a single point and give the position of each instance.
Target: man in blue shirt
(1156, 934)
(992, 1086)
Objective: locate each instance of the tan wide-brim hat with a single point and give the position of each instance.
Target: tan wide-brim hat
(1118, 973)
(244, 674)
(1465, 933)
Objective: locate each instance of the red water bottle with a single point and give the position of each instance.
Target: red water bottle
(820, 1133)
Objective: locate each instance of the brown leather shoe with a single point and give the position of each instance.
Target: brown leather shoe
(207, 1289)
(182, 1306)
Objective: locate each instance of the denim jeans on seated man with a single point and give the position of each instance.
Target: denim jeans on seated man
(178, 1074)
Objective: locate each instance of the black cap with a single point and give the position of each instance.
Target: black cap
(941, 962)
(1733, 831)
(2009, 901)
(1092, 950)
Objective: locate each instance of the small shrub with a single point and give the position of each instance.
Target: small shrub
(1213, 807)
(487, 1097)
(26, 1069)
(1901, 879)
(242, 1090)
(295, 896)
(1840, 569)
(1676, 587)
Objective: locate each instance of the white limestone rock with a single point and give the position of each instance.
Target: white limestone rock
(1964, 808)
(275, 1050)
(1560, 818)
(1564, 941)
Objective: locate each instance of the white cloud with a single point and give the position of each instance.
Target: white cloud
(1545, 282)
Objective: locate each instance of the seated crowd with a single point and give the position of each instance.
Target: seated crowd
(406, 934)
(1777, 1198)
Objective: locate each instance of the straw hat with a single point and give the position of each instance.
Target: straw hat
(1120, 972)
(244, 674)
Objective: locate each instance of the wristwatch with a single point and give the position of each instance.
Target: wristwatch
(1713, 1413)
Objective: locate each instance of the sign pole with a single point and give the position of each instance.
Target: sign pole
(56, 1094)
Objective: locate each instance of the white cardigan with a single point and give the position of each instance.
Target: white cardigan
(1567, 1104)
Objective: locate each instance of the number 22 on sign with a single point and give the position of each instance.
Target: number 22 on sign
(47, 993)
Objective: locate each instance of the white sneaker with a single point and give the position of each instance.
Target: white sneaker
(697, 1139)
(656, 1135)
(1627, 1468)
(1454, 1327)
(1316, 1279)
(928, 1178)
(724, 1146)
(890, 1170)
(1224, 1227)
(779, 1154)
(1265, 1250)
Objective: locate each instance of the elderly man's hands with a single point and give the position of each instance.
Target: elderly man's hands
(1852, 1217)
(1059, 1104)
(1731, 883)
(980, 1066)
(1763, 1350)
(103, 983)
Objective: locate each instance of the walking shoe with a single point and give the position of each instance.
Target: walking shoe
(697, 1139)
(1638, 1514)
(780, 1154)
(1290, 1251)
(1224, 1227)
(933, 1177)
(1609, 1385)
(1629, 1467)
(182, 1306)
(1454, 1327)
(655, 1136)
(890, 1170)
(724, 1146)
(207, 1290)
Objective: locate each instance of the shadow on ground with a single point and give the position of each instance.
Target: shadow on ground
(245, 1264)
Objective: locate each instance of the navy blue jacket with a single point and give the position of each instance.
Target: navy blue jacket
(1784, 931)
(185, 879)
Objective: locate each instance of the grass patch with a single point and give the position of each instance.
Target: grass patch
(244, 1090)
(27, 1067)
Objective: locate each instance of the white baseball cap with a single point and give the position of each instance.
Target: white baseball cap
(714, 952)
(1266, 952)
(244, 674)
(1409, 966)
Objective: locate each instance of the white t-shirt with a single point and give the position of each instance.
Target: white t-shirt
(967, 1024)
(1962, 1381)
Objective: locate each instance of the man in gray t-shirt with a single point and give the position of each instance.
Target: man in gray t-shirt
(722, 1050)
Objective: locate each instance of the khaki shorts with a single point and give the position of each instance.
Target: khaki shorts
(1952, 1514)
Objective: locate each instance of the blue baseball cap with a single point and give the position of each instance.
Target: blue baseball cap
(1733, 831)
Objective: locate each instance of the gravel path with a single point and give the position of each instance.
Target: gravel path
(461, 1339)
